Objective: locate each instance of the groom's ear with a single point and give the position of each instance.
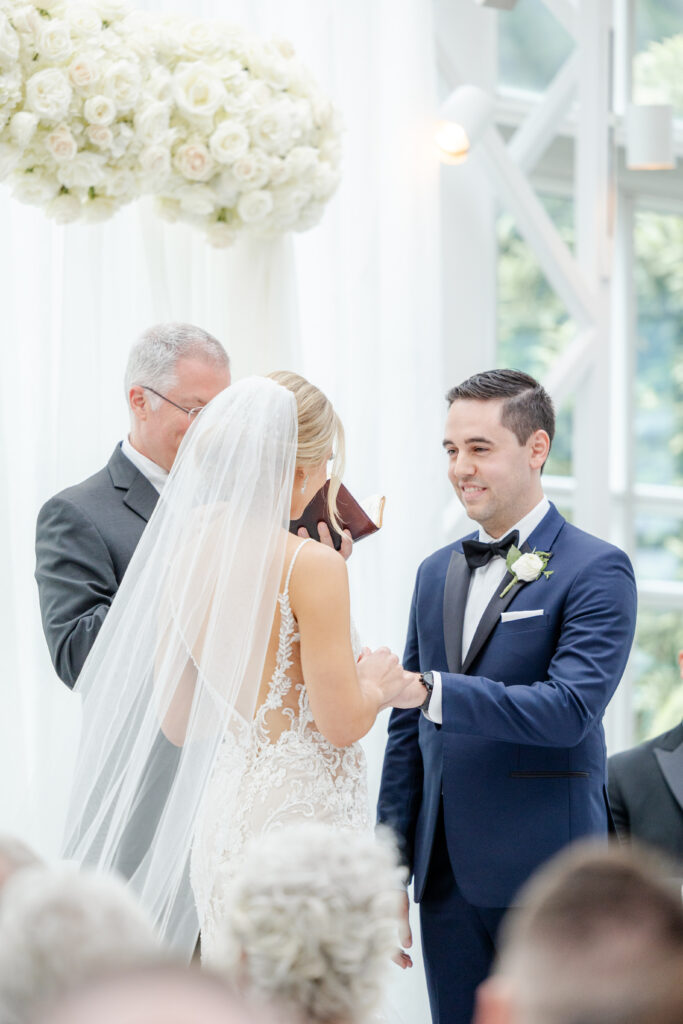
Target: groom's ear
(539, 448)
(494, 1002)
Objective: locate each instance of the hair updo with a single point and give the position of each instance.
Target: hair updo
(320, 432)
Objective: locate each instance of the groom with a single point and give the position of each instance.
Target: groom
(498, 758)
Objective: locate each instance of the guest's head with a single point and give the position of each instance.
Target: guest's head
(59, 928)
(152, 995)
(499, 429)
(310, 922)
(173, 370)
(15, 855)
(595, 932)
(320, 439)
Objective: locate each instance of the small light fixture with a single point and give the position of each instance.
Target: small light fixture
(650, 137)
(464, 117)
(501, 5)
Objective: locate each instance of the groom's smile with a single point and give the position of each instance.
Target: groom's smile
(496, 478)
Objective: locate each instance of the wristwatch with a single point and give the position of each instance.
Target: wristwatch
(427, 680)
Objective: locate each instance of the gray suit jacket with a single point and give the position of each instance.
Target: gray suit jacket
(645, 787)
(85, 538)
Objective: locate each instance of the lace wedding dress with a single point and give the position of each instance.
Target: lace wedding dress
(280, 770)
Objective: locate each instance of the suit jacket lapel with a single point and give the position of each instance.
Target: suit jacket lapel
(671, 765)
(541, 539)
(491, 616)
(141, 497)
(454, 599)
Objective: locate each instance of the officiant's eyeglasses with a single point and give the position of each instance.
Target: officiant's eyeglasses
(190, 413)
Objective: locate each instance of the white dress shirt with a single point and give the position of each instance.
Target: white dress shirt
(154, 473)
(483, 584)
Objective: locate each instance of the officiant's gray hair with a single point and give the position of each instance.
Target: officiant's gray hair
(154, 356)
(310, 921)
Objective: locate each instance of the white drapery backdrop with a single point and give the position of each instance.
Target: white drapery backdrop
(353, 304)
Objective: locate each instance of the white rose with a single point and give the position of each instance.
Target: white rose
(61, 144)
(279, 171)
(289, 200)
(271, 129)
(54, 40)
(84, 72)
(197, 90)
(283, 47)
(237, 98)
(309, 216)
(22, 127)
(122, 84)
(98, 209)
(84, 19)
(302, 117)
(48, 94)
(194, 161)
(64, 208)
(113, 9)
(120, 184)
(99, 135)
(9, 158)
(226, 189)
(155, 165)
(220, 235)
(198, 200)
(229, 142)
(99, 110)
(301, 161)
(527, 567)
(252, 170)
(34, 187)
(26, 19)
(159, 83)
(151, 123)
(9, 42)
(123, 136)
(268, 63)
(10, 88)
(255, 206)
(86, 170)
(324, 182)
(167, 208)
(201, 39)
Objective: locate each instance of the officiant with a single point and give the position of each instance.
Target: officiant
(86, 534)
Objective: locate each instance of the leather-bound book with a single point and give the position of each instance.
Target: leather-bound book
(360, 519)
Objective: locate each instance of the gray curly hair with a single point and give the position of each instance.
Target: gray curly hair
(311, 918)
(60, 927)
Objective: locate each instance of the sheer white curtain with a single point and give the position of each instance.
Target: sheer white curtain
(353, 304)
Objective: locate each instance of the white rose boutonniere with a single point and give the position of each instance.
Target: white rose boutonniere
(526, 568)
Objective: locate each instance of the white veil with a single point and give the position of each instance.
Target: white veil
(176, 668)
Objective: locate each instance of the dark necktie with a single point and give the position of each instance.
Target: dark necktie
(478, 553)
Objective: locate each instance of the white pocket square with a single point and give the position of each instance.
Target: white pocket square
(513, 616)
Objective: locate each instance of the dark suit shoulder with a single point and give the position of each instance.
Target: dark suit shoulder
(628, 760)
(587, 545)
(84, 494)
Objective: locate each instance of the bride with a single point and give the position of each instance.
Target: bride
(223, 697)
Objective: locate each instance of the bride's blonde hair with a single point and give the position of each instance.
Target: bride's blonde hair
(320, 431)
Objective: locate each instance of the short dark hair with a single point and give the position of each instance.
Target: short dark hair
(527, 406)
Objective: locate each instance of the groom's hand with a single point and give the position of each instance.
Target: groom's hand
(405, 936)
(413, 693)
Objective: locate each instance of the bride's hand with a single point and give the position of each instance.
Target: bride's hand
(380, 671)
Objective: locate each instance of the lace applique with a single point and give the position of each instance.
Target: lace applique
(266, 783)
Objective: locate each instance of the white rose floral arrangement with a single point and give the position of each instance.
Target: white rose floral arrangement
(100, 104)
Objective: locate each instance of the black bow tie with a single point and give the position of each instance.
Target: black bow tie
(478, 553)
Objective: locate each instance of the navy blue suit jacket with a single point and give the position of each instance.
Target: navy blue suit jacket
(520, 758)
